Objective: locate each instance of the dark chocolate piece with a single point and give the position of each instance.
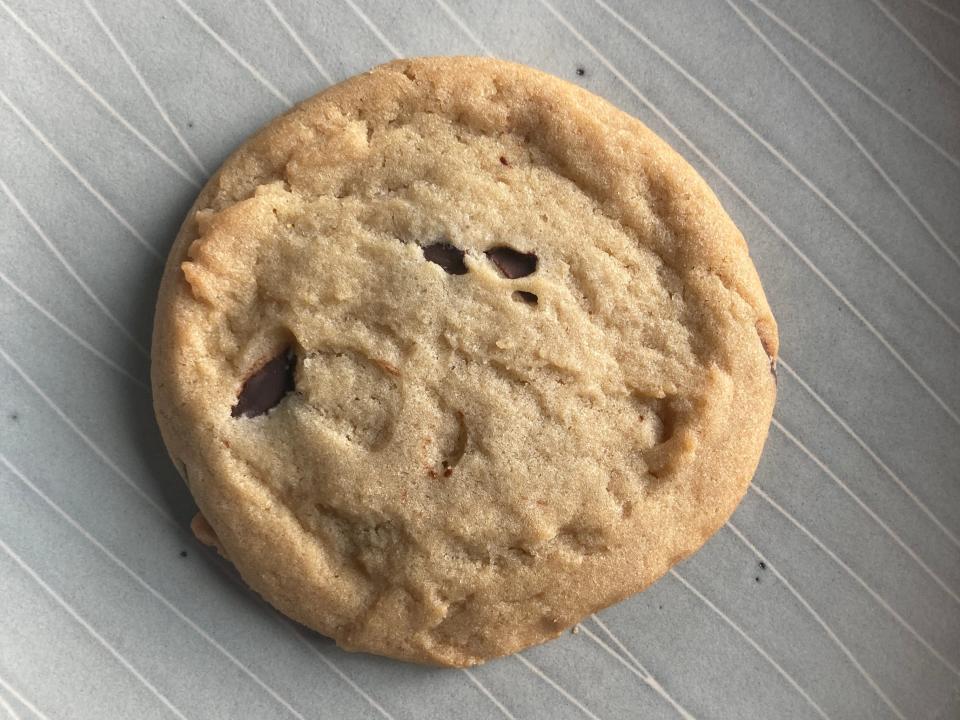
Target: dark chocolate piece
(266, 387)
(447, 256)
(513, 263)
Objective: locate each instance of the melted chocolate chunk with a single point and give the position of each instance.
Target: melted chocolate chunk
(513, 263)
(266, 387)
(447, 256)
(525, 297)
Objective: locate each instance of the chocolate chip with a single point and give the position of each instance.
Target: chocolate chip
(525, 297)
(266, 387)
(503, 161)
(763, 565)
(447, 256)
(513, 263)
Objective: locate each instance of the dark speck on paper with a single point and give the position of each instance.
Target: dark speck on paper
(581, 71)
(183, 553)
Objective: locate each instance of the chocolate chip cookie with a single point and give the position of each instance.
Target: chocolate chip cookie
(456, 353)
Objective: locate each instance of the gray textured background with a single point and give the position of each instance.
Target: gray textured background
(831, 131)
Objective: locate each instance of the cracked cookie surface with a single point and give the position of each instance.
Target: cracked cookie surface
(456, 353)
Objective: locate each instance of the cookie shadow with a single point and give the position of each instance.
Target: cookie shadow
(136, 411)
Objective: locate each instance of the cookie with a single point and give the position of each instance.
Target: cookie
(456, 353)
